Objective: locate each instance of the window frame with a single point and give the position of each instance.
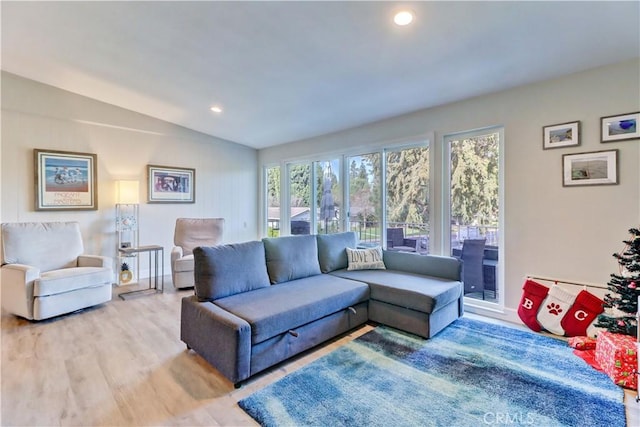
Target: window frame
(445, 209)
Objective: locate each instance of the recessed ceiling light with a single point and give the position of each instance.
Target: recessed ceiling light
(216, 109)
(402, 18)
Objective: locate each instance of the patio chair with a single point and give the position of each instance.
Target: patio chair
(490, 263)
(397, 242)
(472, 268)
(300, 227)
(190, 233)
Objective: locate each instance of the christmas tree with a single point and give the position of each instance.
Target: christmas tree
(623, 305)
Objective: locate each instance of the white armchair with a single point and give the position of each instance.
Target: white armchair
(45, 274)
(189, 234)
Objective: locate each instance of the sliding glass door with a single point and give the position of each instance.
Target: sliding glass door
(474, 207)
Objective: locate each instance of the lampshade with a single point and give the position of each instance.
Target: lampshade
(127, 192)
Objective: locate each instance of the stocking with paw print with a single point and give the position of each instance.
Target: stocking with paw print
(553, 309)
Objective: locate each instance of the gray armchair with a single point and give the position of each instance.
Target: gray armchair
(189, 234)
(46, 274)
(397, 242)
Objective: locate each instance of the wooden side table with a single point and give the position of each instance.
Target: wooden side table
(155, 252)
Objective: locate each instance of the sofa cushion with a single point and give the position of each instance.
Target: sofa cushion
(291, 257)
(365, 259)
(55, 282)
(226, 270)
(417, 292)
(331, 250)
(277, 309)
(183, 264)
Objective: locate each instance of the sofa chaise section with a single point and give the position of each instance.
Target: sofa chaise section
(421, 294)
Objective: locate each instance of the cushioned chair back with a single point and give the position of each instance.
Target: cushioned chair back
(472, 273)
(193, 232)
(396, 236)
(46, 245)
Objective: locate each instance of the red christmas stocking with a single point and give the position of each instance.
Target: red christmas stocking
(533, 293)
(583, 311)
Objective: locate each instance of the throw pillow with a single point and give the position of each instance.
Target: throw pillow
(365, 259)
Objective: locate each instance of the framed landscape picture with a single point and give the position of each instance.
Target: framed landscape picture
(620, 127)
(595, 168)
(171, 185)
(65, 180)
(561, 135)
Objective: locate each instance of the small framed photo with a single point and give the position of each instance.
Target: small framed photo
(171, 185)
(65, 181)
(620, 127)
(561, 135)
(595, 168)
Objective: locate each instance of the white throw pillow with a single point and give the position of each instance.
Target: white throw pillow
(365, 259)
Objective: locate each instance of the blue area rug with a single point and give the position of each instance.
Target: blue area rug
(471, 374)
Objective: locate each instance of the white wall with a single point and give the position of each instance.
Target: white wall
(35, 115)
(566, 233)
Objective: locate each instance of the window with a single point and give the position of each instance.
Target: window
(407, 199)
(273, 201)
(386, 197)
(365, 199)
(328, 196)
(300, 198)
(473, 188)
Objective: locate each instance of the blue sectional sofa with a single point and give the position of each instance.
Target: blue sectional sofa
(259, 303)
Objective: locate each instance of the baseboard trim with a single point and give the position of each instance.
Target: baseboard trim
(507, 314)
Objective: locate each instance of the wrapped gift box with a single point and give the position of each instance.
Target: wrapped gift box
(582, 343)
(617, 355)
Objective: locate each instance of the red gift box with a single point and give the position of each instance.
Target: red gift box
(617, 355)
(582, 343)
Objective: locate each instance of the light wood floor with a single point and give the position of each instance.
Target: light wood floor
(123, 364)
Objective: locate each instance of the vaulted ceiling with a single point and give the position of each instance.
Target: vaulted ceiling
(285, 71)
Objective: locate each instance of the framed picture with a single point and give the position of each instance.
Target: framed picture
(595, 168)
(561, 135)
(620, 127)
(65, 181)
(171, 185)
